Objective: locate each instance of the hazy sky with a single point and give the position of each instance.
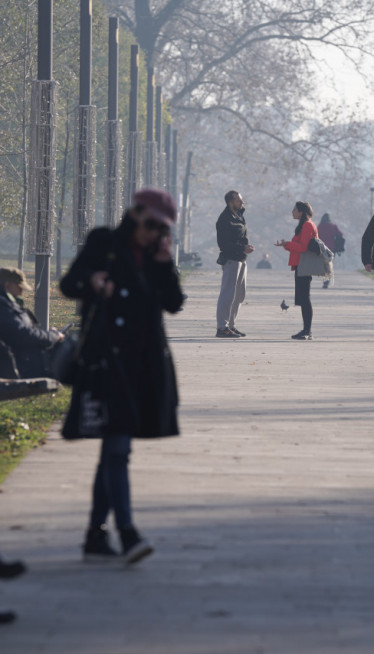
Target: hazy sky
(342, 83)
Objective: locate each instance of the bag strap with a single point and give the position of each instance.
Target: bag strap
(99, 303)
(84, 332)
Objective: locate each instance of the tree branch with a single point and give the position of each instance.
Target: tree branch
(167, 12)
(303, 148)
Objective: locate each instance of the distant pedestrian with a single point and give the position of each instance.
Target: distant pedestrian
(264, 262)
(129, 274)
(232, 238)
(367, 245)
(331, 235)
(305, 230)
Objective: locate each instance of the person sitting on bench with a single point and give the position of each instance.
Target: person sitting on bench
(20, 333)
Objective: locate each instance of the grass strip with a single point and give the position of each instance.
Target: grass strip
(24, 424)
(366, 273)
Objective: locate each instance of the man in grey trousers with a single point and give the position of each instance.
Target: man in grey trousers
(233, 243)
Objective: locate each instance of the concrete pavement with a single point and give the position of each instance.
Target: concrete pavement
(261, 513)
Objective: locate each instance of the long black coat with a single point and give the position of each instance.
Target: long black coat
(367, 244)
(134, 326)
(20, 330)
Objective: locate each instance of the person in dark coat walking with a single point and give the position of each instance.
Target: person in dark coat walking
(232, 239)
(132, 267)
(367, 244)
(20, 330)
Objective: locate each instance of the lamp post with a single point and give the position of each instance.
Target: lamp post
(134, 137)
(113, 131)
(42, 166)
(85, 136)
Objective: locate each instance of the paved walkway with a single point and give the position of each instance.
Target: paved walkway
(261, 514)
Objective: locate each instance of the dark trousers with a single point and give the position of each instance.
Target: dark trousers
(302, 299)
(111, 488)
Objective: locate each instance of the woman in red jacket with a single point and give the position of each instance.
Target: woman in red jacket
(305, 230)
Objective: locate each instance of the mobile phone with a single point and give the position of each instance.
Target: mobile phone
(65, 329)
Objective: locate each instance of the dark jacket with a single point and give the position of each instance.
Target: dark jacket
(327, 233)
(134, 326)
(20, 330)
(367, 244)
(232, 236)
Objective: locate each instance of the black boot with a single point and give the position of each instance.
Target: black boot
(11, 569)
(134, 546)
(97, 547)
(7, 616)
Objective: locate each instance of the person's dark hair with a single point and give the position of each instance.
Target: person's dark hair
(230, 196)
(326, 218)
(307, 212)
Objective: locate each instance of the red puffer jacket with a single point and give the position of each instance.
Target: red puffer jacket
(300, 243)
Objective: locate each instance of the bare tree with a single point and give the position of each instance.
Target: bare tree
(251, 60)
(16, 38)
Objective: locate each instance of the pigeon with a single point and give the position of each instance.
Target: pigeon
(284, 306)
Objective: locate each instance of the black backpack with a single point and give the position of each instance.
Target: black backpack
(339, 243)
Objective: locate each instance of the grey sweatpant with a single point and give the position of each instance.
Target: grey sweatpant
(234, 277)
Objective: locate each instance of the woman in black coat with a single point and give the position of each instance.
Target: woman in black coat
(128, 273)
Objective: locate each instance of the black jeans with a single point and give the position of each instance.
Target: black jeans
(302, 299)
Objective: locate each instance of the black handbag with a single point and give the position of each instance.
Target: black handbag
(102, 398)
(339, 243)
(314, 246)
(64, 356)
(63, 359)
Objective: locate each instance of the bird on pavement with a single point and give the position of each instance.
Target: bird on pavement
(284, 306)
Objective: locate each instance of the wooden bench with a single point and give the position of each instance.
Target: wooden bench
(11, 389)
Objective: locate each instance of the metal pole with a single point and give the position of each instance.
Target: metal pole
(85, 136)
(112, 204)
(174, 166)
(45, 64)
(168, 153)
(85, 52)
(159, 118)
(84, 101)
(150, 146)
(134, 76)
(133, 150)
(113, 69)
(150, 104)
(186, 184)
(45, 43)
